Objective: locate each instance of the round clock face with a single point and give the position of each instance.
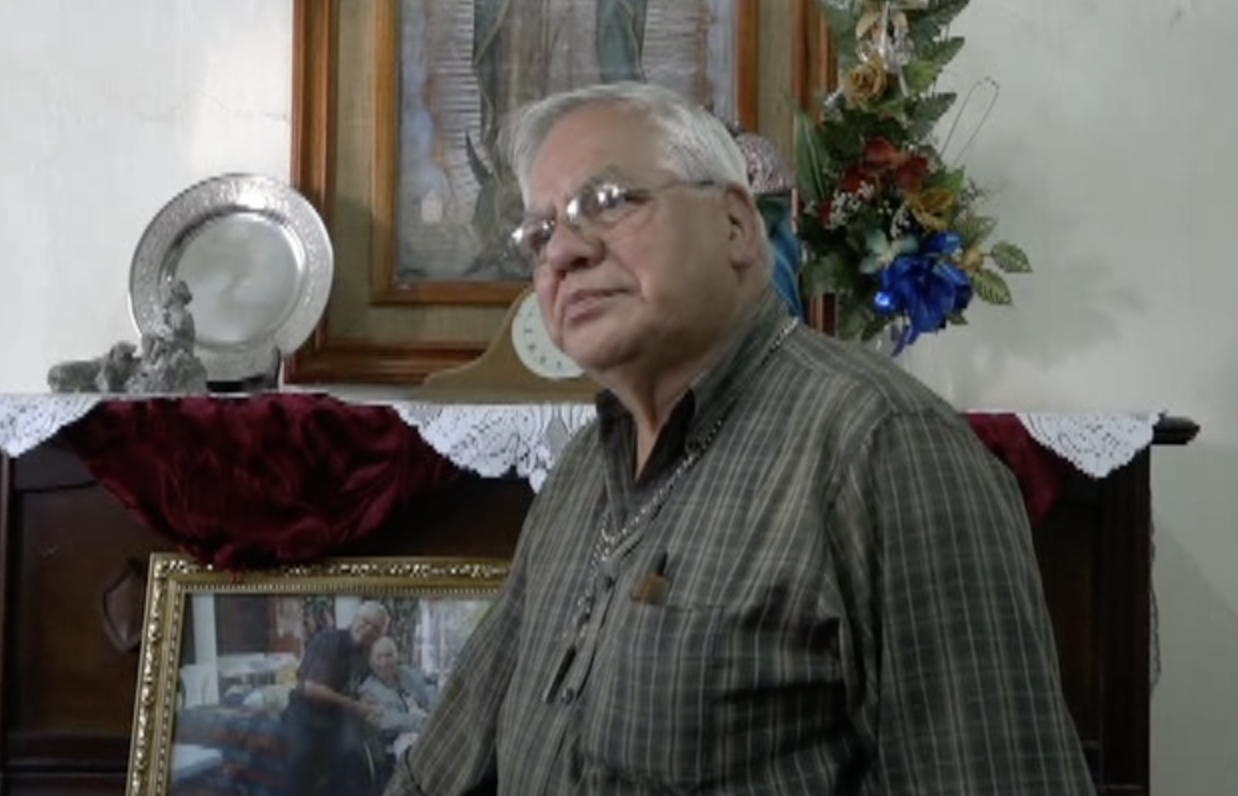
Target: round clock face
(534, 346)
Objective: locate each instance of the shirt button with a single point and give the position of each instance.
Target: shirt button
(568, 695)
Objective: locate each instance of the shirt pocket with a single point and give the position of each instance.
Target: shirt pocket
(649, 711)
(780, 690)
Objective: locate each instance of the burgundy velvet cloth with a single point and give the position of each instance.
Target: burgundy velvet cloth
(262, 480)
(290, 477)
(1039, 471)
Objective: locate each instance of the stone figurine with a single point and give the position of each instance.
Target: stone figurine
(166, 366)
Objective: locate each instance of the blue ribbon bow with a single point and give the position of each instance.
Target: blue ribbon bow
(924, 287)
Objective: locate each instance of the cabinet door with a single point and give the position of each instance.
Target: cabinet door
(73, 566)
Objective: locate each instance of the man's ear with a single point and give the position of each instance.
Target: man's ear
(745, 228)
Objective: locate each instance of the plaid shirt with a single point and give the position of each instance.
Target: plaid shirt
(840, 597)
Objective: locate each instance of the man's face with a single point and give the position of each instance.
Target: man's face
(367, 630)
(645, 290)
(383, 660)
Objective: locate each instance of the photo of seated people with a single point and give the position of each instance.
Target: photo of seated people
(402, 694)
(308, 695)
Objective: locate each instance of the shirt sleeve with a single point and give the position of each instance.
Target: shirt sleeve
(963, 693)
(455, 755)
(321, 662)
(425, 696)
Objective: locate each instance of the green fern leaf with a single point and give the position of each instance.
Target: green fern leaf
(827, 275)
(855, 318)
(928, 25)
(942, 51)
(810, 161)
(920, 75)
(925, 112)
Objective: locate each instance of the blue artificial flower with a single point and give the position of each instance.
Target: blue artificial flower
(942, 243)
(924, 287)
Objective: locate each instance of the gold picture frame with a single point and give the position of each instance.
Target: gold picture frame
(345, 151)
(221, 654)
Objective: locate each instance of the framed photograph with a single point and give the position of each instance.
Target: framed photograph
(307, 679)
(396, 108)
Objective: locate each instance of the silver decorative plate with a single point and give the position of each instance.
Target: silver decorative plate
(256, 257)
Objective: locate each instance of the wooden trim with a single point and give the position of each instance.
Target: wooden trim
(384, 288)
(747, 58)
(386, 147)
(815, 70)
(486, 293)
(816, 66)
(6, 589)
(363, 361)
(1172, 430)
(313, 100)
(1125, 574)
(313, 148)
(325, 358)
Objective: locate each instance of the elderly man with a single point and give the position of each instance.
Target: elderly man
(400, 692)
(325, 723)
(775, 563)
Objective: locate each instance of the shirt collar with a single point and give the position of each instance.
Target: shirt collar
(713, 391)
(718, 387)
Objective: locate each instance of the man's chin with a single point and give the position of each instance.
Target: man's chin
(597, 360)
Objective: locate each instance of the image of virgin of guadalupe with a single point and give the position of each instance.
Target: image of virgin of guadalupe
(466, 66)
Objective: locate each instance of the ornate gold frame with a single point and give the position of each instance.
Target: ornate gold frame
(172, 579)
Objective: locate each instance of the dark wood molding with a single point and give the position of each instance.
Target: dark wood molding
(1124, 580)
(1172, 430)
(6, 598)
(63, 538)
(815, 71)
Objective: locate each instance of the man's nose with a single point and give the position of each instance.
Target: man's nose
(570, 248)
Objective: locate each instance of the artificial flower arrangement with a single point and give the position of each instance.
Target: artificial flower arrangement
(890, 229)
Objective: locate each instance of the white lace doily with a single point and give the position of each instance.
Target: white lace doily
(493, 439)
(28, 420)
(1096, 443)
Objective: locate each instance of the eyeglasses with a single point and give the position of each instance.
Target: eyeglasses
(598, 206)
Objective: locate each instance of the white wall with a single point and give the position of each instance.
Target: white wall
(1111, 147)
(1108, 145)
(108, 109)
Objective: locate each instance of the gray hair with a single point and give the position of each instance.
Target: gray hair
(373, 612)
(695, 144)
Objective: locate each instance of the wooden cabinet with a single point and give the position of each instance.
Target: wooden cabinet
(72, 562)
(71, 566)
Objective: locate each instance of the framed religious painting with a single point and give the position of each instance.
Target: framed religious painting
(230, 693)
(396, 109)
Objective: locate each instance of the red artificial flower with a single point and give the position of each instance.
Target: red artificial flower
(881, 156)
(910, 175)
(825, 210)
(882, 159)
(856, 176)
